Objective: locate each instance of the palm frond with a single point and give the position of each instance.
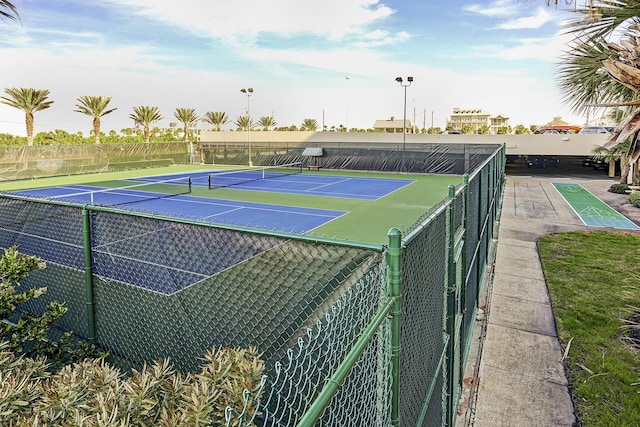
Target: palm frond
(583, 80)
(8, 11)
(600, 18)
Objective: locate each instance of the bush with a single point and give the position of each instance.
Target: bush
(619, 188)
(92, 393)
(28, 333)
(634, 199)
(60, 385)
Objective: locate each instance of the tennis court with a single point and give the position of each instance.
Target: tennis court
(359, 206)
(171, 195)
(591, 210)
(258, 215)
(289, 179)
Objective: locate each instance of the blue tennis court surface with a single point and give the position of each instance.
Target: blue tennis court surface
(305, 184)
(259, 215)
(591, 210)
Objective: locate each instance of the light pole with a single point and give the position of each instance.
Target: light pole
(404, 121)
(248, 92)
(347, 78)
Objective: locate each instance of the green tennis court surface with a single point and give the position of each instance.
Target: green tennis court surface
(591, 210)
(368, 220)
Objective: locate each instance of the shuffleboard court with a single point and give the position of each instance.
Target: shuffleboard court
(350, 187)
(258, 215)
(591, 210)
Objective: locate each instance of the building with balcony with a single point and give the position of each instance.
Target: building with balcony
(476, 119)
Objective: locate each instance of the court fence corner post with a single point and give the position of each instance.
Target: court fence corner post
(88, 275)
(394, 277)
(451, 310)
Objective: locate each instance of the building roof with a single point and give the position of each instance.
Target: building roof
(390, 124)
(557, 121)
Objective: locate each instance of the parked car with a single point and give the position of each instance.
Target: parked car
(542, 162)
(593, 130)
(599, 164)
(452, 132)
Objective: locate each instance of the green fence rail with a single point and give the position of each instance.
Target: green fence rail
(351, 334)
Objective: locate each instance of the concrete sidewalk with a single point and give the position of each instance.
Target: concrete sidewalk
(514, 375)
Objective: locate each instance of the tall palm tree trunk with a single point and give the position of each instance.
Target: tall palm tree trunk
(29, 122)
(96, 129)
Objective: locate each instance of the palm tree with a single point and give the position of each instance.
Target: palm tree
(28, 100)
(621, 152)
(96, 107)
(244, 123)
(309, 124)
(186, 116)
(8, 10)
(216, 119)
(145, 116)
(267, 123)
(603, 68)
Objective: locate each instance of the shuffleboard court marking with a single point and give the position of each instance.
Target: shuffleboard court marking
(591, 210)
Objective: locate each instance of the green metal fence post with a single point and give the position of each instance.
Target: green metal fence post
(451, 310)
(88, 275)
(465, 270)
(333, 384)
(394, 274)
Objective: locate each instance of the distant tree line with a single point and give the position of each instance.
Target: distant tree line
(30, 101)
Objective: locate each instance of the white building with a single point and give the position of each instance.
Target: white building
(476, 118)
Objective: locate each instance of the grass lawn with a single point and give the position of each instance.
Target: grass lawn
(594, 285)
(367, 221)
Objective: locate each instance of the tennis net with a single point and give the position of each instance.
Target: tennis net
(129, 194)
(236, 177)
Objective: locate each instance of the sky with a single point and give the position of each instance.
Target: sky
(335, 61)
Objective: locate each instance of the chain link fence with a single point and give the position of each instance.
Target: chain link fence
(438, 158)
(20, 162)
(325, 313)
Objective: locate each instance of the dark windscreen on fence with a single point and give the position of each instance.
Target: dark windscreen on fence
(454, 159)
(20, 162)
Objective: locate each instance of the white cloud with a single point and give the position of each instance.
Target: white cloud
(381, 38)
(242, 18)
(497, 8)
(541, 17)
(547, 49)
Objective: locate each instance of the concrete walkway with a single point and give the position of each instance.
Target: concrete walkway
(514, 374)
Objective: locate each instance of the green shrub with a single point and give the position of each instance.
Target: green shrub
(619, 188)
(634, 199)
(92, 393)
(28, 333)
(61, 385)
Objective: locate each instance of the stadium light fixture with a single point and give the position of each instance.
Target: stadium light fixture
(248, 92)
(404, 118)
